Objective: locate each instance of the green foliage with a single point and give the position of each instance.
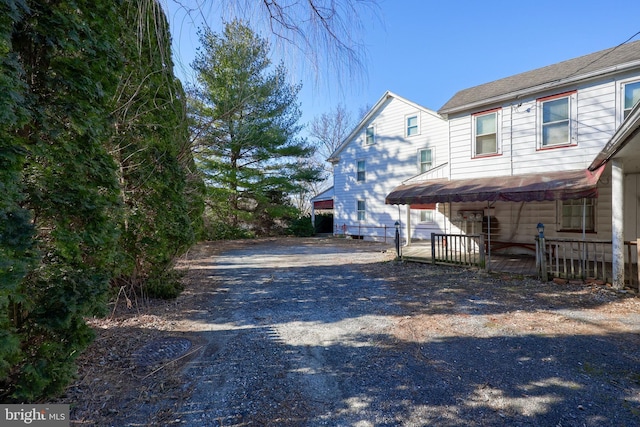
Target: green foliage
(60, 68)
(165, 286)
(215, 229)
(161, 214)
(246, 120)
(97, 176)
(301, 227)
(17, 257)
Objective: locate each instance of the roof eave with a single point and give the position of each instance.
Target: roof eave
(543, 87)
(627, 130)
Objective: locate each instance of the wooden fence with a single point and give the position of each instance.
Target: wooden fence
(584, 259)
(458, 249)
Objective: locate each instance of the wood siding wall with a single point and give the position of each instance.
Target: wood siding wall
(598, 108)
(392, 159)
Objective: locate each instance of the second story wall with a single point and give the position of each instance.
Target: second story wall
(528, 138)
(398, 140)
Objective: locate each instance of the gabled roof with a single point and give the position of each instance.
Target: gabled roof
(367, 118)
(598, 64)
(624, 144)
(324, 195)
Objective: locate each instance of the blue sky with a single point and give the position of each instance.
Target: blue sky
(427, 50)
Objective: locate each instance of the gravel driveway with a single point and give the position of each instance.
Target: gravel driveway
(316, 332)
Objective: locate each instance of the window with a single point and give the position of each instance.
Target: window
(571, 214)
(486, 133)
(370, 135)
(425, 161)
(426, 215)
(631, 97)
(556, 118)
(555, 122)
(412, 126)
(361, 210)
(362, 173)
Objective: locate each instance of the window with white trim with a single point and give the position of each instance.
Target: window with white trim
(426, 215)
(370, 135)
(412, 125)
(631, 97)
(361, 171)
(571, 215)
(362, 210)
(557, 120)
(425, 159)
(485, 133)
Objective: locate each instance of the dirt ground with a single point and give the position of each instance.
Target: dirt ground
(391, 344)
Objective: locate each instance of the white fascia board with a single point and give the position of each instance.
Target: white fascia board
(334, 157)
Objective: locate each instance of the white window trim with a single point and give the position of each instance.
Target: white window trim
(621, 87)
(419, 158)
(371, 126)
(364, 211)
(364, 171)
(573, 120)
(498, 114)
(427, 221)
(594, 212)
(406, 124)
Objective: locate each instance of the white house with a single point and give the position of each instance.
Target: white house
(396, 140)
(523, 150)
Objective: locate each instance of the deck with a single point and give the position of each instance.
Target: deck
(524, 265)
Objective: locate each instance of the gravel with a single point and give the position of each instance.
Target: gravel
(325, 332)
(335, 332)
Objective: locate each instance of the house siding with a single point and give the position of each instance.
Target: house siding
(392, 159)
(519, 150)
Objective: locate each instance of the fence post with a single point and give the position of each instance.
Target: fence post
(638, 260)
(433, 248)
(483, 264)
(543, 259)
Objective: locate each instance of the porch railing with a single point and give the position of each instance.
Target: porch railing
(583, 259)
(458, 249)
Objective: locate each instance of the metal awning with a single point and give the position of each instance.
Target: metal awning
(323, 204)
(565, 185)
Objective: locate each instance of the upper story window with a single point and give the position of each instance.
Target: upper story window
(412, 125)
(485, 133)
(370, 135)
(425, 159)
(362, 171)
(557, 118)
(631, 97)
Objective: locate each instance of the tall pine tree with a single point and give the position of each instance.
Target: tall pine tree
(246, 124)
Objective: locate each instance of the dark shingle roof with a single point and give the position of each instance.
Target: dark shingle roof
(584, 65)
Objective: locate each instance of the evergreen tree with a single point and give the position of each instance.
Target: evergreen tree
(65, 54)
(16, 232)
(151, 147)
(246, 121)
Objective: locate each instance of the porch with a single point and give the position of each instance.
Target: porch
(567, 259)
(522, 265)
